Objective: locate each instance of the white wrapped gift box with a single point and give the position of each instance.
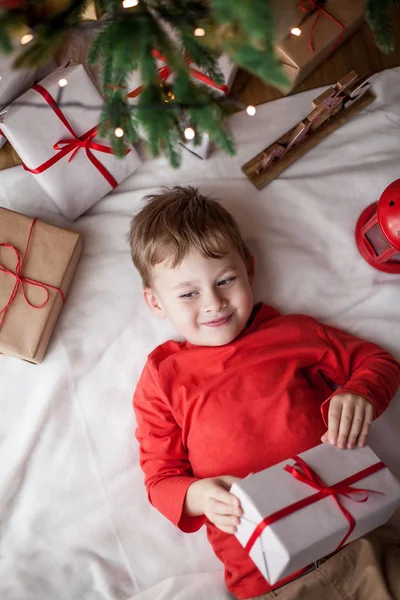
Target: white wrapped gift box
(311, 532)
(75, 171)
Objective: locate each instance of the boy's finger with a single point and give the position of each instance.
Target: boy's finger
(346, 419)
(219, 493)
(368, 415)
(325, 437)
(222, 508)
(224, 520)
(334, 414)
(356, 425)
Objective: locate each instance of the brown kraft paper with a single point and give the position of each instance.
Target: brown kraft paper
(294, 52)
(52, 258)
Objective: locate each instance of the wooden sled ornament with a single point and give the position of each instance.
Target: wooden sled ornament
(331, 109)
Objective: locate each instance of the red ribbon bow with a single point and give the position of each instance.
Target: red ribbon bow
(304, 473)
(165, 71)
(309, 6)
(66, 146)
(21, 281)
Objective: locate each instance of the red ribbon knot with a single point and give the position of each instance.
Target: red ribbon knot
(84, 141)
(22, 281)
(310, 6)
(66, 146)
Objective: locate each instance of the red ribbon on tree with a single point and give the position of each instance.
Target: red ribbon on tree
(65, 146)
(304, 473)
(21, 281)
(165, 71)
(310, 6)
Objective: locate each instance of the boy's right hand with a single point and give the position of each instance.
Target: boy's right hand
(210, 497)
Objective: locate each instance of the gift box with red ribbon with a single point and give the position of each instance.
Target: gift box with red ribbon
(54, 131)
(165, 73)
(321, 28)
(37, 264)
(311, 505)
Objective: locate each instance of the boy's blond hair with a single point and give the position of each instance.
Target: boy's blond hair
(179, 220)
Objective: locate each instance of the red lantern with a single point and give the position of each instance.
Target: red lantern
(378, 231)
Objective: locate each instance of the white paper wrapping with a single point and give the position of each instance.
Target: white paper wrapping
(13, 82)
(311, 533)
(73, 185)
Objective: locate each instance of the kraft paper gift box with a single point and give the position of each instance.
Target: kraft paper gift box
(51, 257)
(74, 166)
(288, 524)
(324, 35)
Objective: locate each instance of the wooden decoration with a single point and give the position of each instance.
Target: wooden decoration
(331, 109)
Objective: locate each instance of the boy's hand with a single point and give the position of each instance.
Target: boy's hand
(210, 497)
(349, 420)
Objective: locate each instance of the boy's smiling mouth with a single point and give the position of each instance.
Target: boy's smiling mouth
(218, 322)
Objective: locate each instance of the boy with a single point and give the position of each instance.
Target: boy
(247, 387)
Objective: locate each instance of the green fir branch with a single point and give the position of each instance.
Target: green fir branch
(378, 18)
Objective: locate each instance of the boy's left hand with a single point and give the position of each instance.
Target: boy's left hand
(349, 420)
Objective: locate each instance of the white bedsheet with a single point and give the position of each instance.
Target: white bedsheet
(75, 520)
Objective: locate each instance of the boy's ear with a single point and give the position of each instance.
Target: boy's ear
(251, 267)
(153, 303)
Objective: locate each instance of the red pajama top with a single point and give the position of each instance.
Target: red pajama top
(235, 409)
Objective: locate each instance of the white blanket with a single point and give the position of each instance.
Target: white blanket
(75, 520)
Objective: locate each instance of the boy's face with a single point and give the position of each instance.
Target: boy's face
(207, 300)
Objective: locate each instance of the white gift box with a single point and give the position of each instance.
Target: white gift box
(295, 541)
(228, 70)
(38, 135)
(225, 65)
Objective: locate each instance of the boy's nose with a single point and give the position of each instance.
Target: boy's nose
(214, 302)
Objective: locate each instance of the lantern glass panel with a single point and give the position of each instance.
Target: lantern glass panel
(377, 240)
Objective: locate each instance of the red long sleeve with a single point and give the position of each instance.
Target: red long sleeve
(362, 368)
(164, 460)
(240, 408)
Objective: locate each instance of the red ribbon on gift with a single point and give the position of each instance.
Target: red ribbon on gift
(309, 6)
(304, 473)
(21, 281)
(165, 71)
(65, 146)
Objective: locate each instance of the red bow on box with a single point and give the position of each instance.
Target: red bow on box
(20, 280)
(310, 6)
(65, 146)
(304, 473)
(165, 71)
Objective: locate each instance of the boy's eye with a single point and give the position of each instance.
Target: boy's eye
(188, 295)
(225, 281)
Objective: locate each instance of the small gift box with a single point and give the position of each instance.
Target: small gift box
(226, 67)
(306, 507)
(37, 263)
(323, 29)
(58, 142)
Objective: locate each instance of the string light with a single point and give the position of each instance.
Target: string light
(189, 133)
(118, 132)
(296, 31)
(130, 3)
(62, 82)
(199, 32)
(251, 110)
(28, 37)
